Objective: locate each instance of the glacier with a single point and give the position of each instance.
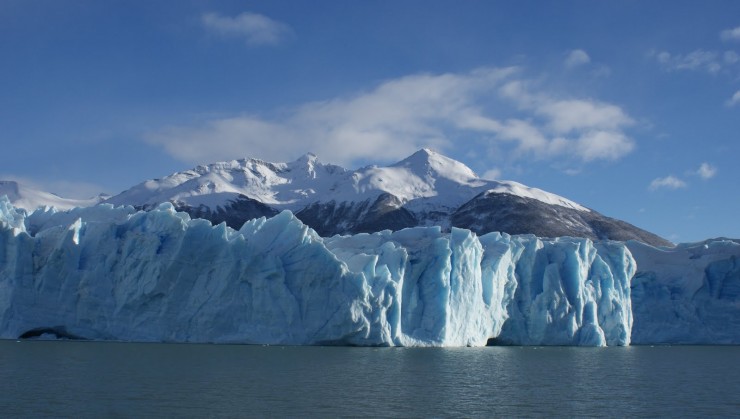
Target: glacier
(114, 273)
(689, 294)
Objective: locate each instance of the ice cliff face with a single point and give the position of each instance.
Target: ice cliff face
(689, 294)
(114, 273)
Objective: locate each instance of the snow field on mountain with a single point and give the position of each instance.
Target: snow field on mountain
(426, 180)
(160, 276)
(24, 197)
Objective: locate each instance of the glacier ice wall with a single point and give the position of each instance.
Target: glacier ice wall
(689, 294)
(117, 274)
(569, 291)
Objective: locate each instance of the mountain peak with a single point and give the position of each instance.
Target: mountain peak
(429, 162)
(424, 154)
(307, 163)
(425, 151)
(308, 157)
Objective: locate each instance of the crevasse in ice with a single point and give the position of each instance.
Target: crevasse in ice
(114, 273)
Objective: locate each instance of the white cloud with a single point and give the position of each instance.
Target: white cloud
(487, 108)
(254, 28)
(734, 100)
(695, 60)
(492, 174)
(391, 121)
(577, 114)
(668, 182)
(730, 34)
(225, 139)
(606, 145)
(528, 137)
(706, 171)
(585, 128)
(576, 57)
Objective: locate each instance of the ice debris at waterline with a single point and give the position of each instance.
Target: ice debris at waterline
(114, 273)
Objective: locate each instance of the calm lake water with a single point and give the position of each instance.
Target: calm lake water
(73, 379)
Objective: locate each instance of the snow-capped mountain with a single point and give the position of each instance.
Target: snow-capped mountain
(22, 196)
(425, 180)
(425, 189)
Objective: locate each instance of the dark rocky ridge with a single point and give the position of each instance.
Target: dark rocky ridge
(519, 215)
(485, 213)
(330, 218)
(235, 214)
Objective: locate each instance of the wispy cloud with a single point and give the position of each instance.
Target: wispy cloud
(578, 114)
(668, 182)
(730, 34)
(696, 60)
(486, 108)
(576, 58)
(253, 28)
(716, 63)
(731, 57)
(706, 171)
(589, 129)
(390, 121)
(734, 100)
(492, 174)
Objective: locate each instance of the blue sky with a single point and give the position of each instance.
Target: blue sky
(631, 108)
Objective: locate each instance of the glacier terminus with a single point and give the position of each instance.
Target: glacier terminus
(115, 273)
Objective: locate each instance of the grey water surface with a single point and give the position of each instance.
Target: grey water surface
(99, 379)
